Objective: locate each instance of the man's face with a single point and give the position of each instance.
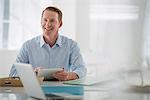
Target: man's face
(50, 23)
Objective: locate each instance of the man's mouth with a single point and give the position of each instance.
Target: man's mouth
(48, 29)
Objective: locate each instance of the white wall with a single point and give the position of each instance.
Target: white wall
(68, 8)
(146, 35)
(109, 33)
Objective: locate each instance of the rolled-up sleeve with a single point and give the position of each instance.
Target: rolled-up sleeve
(76, 61)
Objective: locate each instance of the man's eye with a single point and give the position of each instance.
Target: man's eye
(45, 20)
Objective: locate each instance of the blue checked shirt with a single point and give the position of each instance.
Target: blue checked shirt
(65, 53)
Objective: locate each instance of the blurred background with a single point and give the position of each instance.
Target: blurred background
(112, 34)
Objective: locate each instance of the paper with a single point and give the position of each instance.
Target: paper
(85, 81)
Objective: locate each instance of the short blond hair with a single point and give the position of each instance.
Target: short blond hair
(51, 8)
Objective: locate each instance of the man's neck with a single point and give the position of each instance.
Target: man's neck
(51, 39)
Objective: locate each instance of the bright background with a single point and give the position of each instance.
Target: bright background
(112, 34)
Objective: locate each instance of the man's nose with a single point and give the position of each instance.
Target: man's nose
(48, 24)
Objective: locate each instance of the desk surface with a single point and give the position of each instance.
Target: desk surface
(108, 90)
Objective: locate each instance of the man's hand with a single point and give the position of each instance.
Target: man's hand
(36, 70)
(64, 76)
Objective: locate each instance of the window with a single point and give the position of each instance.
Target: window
(4, 28)
(109, 33)
(20, 21)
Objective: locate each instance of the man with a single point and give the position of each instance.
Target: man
(52, 50)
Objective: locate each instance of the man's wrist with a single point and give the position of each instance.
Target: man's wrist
(72, 76)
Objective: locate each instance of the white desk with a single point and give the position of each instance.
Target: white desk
(109, 90)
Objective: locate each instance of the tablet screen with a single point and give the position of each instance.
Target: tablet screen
(47, 73)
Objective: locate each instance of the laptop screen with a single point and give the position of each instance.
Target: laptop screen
(29, 80)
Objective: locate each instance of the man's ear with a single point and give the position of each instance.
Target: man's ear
(60, 24)
(41, 23)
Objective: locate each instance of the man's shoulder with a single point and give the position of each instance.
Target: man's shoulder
(33, 40)
(67, 40)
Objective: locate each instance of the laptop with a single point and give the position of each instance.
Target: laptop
(31, 83)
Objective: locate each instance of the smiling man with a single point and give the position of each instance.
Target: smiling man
(52, 50)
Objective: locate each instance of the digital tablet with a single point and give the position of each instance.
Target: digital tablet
(47, 73)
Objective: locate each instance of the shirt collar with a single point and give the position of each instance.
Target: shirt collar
(42, 42)
(58, 42)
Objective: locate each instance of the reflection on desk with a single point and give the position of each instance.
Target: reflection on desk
(109, 90)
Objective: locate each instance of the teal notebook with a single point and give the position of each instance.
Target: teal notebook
(73, 90)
